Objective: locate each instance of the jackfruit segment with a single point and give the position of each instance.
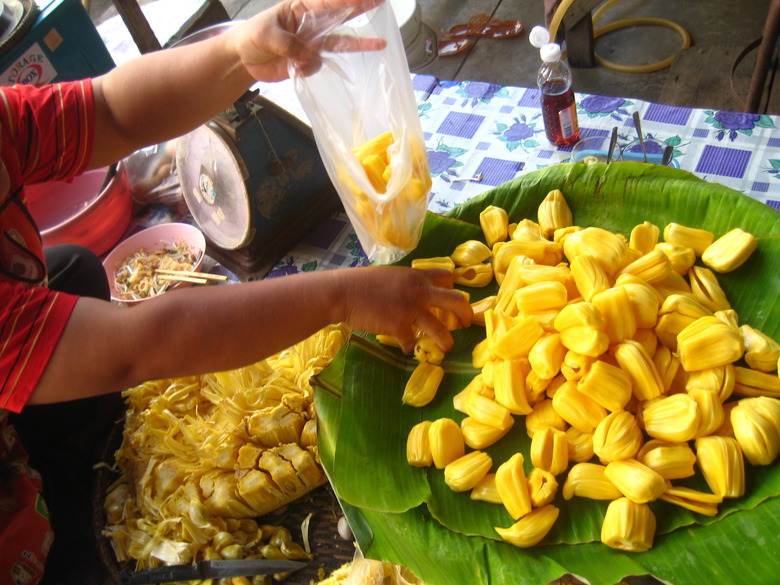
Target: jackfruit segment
(486, 490)
(554, 213)
(531, 528)
(495, 225)
(513, 487)
(587, 480)
(730, 251)
(423, 384)
(628, 526)
(418, 445)
(696, 239)
(644, 237)
(446, 442)
(465, 472)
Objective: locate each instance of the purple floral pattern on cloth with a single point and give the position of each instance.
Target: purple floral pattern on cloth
(518, 134)
(652, 146)
(478, 92)
(284, 267)
(461, 124)
(664, 114)
(731, 124)
(442, 161)
(440, 204)
(774, 168)
(496, 171)
(356, 253)
(597, 106)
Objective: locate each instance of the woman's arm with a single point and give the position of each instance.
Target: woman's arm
(165, 94)
(106, 348)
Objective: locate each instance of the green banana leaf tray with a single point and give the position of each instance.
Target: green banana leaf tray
(406, 515)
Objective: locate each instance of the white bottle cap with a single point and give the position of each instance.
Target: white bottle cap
(539, 36)
(550, 52)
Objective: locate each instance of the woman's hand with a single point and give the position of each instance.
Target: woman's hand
(165, 94)
(266, 42)
(399, 301)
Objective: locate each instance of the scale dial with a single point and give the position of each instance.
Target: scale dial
(213, 182)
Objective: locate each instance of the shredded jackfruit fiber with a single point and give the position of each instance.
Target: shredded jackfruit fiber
(363, 571)
(178, 499)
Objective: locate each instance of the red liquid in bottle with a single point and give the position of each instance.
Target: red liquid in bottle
(559, 113)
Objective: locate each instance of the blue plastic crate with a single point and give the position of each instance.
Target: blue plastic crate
(62, 45)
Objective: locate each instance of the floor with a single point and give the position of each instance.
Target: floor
(700, 76)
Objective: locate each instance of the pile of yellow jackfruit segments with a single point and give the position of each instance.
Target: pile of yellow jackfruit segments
(392, 214)
(625, 360)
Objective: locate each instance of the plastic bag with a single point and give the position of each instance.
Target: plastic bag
(365, 122)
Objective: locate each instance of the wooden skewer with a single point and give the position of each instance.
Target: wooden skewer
(204, 275)
(477, 178)
(183, 278)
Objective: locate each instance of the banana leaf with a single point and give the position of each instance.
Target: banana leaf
(409, 516)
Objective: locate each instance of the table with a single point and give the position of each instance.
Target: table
(477, 128)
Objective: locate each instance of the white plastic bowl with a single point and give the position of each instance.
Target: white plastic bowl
(152, 239)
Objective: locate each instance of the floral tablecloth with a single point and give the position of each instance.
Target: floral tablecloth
(477, 129)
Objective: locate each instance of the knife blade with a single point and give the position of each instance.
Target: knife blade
(612, 143)
(668, 154)
(208, 570)
(638, 126)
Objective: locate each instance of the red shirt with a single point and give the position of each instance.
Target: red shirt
(46, 133)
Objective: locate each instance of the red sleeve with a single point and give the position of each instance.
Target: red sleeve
(47, 131)
(31, 322)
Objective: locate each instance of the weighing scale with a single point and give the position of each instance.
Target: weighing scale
(254, 182)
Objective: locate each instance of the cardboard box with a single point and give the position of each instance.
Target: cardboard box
(62, 45)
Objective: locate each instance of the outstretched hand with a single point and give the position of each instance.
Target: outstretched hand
(399, 301)
(266, 42)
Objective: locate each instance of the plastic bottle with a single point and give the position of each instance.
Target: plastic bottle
(559, 110)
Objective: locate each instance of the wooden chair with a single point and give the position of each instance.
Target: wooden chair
(576, 28)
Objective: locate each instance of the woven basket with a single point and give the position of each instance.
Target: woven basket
(329, 549)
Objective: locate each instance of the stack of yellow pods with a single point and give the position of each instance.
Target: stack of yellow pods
(624, 359)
